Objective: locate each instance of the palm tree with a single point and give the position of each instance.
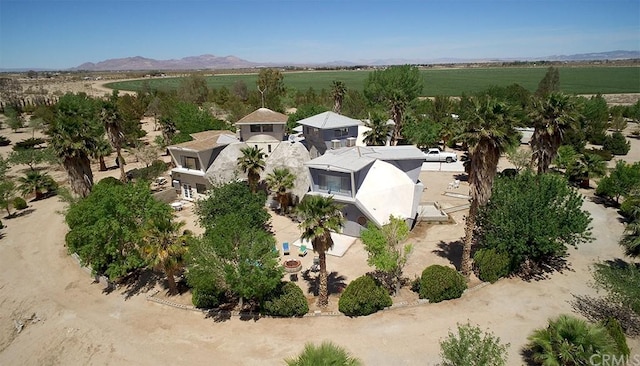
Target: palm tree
(320, 215)
(73, 136)
(631, 239)
(252, 163)
(338, 90)
(586, 166)
(102, 150)
(325, 354)
(280, 181)
(569, 341)
(378, 134)
(488, 134)
(552, 117)
(36, 182)
(164, 248)
(112, 120)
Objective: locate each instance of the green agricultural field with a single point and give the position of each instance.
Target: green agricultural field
(452, 82)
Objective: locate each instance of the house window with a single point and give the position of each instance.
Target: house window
(334, 184)
(201, 188)
(261, 128)
(191, 163)
(342, 132)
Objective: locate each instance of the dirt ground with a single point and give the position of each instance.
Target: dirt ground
(69, 320)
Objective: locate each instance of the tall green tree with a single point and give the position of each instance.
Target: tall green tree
(193, 89)
(164, 247)
(320, 216)
(280, 181)
(338, 91)
(594, 118)
(394, 87)
(488, 133)
(32, 157)
(534, 218)
(242, 256)
(107, 228)
(230, 198)
(7, 194)
(387, 252)
(552, 117)
(252, 163)
(621, 181)
(271, 87)
(73, 134)
(550, 82)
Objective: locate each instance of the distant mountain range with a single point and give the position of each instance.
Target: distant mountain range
(232, 62)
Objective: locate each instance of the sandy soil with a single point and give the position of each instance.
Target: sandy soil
(75, 323)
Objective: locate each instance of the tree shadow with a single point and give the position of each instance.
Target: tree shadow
(527, 356)
(20, 213)
(530, 271)
(463, 177)
(138, 282)
(605, 201)
(335, 283)
(451, 251)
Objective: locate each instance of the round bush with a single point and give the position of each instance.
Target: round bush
(491, 265)
(441, 283)
(363, 296)
(203, 299)
(4, 141)
(617, 144)
(289, 301)
(19, 203)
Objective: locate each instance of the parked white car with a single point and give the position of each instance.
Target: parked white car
(437, 155)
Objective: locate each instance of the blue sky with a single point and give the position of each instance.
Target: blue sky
(65, 33)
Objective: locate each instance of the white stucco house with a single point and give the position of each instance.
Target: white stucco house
(193, 158)
(263, 128)
(370, 182)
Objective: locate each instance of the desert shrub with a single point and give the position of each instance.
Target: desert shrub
(4, 141)
(205, 298)
(491, 264)
(1, 225)
(621, 280)
(472, 347)
(440, 283)
(617, 144)
(599, 309)
(325, 354)
(30, 143)
(612, 325)
(156, 168)
(602, 153)
(19, 203)
(288, 301)
(363, 296)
